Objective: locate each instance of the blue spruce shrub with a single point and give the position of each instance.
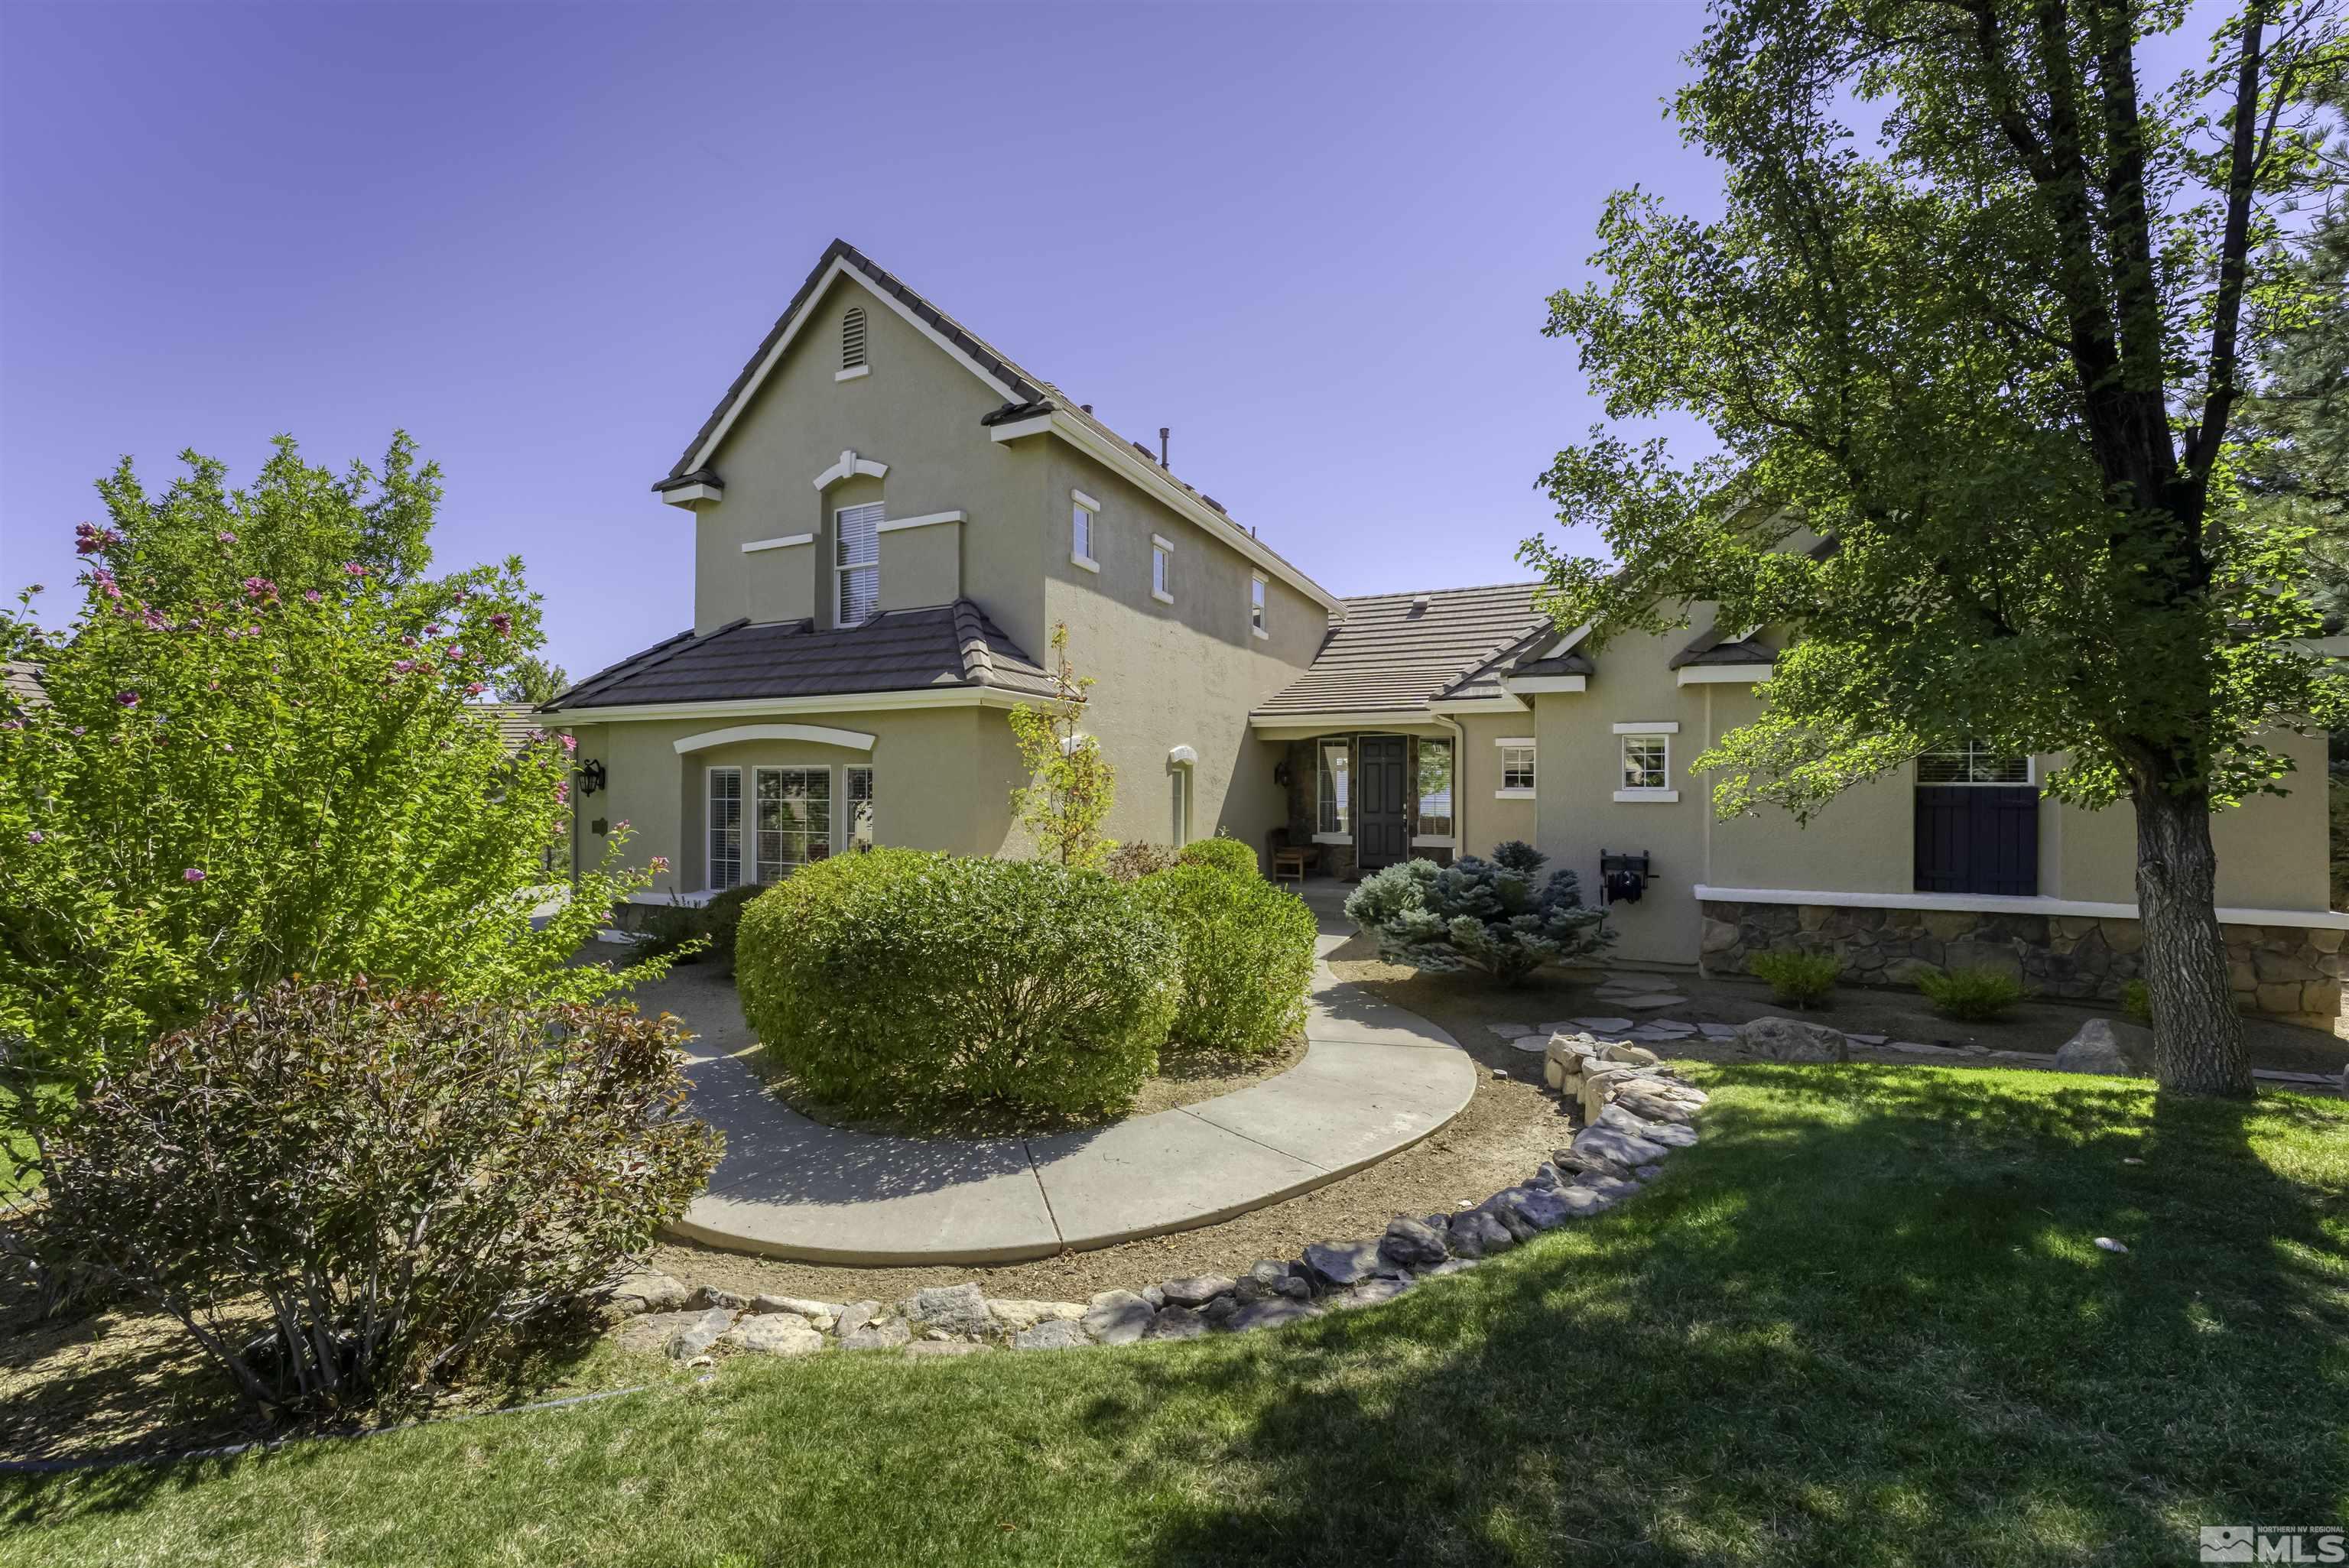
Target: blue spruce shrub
(1478, 915)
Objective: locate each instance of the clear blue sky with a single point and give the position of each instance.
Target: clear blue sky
(1315, 240)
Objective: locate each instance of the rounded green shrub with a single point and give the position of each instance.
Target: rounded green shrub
(1136, 859)
(1225, 854)
(902, 979)
(1796, 978)
(1971, 996)
(1247, 954)
(2137, 1001)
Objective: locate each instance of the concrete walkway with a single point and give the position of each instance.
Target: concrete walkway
(1375, 1080)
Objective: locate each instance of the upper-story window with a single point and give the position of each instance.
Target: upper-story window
(1973, 763)
(851, 338)
(856, 535)
(1082, 509)
(1517, 767)
(1161, 569)
(1255, 605)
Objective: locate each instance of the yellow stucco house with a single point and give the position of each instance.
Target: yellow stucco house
(889, 516)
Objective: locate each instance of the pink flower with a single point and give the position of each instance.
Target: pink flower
(475, 689)
(563, 792)
(503, 624)
(11, 724)
(260, 588)
(354, 568)
(126, 699)
(192, 874)
(311, 594)
(659, 865)
(89, 539)
(401, 666)
(226, 537)
(36, 837)
(620, 826)
(153, 619)
(106, 583)
(570, 743)
(432, 630)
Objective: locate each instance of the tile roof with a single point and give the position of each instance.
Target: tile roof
(20, 685)
(1713, 648)
(945, 645)
(1398, 650)
(1030, 395)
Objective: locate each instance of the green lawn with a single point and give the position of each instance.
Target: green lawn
(1864, 1323)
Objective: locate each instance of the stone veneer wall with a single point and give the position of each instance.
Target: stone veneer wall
(2286, 971)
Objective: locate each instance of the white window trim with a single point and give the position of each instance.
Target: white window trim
(851, 373)
(1527, 740)
(1512, 794)
(1259, 605)
(928, 519)
(785, 543)
(1519, 792)
(849, 467)
(1092, 509)
(709, 827)
(841, 569)
(845, 836)
(1433, 841)
(1656, 726)
(1160, 544)
(819, 734)
(1661, 794)
(751, 814)
(1321, 758)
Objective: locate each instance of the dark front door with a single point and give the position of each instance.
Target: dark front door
(1382, 813)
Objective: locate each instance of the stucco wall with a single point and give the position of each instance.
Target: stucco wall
(942, 780)
(1485, 820)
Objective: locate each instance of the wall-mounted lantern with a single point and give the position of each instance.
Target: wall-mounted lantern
(591, 777)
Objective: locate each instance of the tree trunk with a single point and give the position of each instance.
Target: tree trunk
(2198, 1036)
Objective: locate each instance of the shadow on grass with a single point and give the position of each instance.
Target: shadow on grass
(1865, 1321)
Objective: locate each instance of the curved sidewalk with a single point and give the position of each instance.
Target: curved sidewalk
(1375, 1080)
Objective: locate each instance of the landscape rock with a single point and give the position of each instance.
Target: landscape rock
(661, 1331)
(1576, 1163)
(774, 1333)
(1268, 1279)
(1051, 1334)
(1412, 1243)
(1624, 1149)
(1503, 1207)
(855, 1316)
(1341, 1263)
(1581, 1202)
(1608, 1187)
(649, 1290)
(1018, 1315)
(1370, 1292)
(955, 1309)
(886, 1334)
(1540, 1207)
(1196, 1291)
(1649, 1106)
(1636, 1056)
(705, 1331)
(1118, 1316)
(1175, 1323)
(1477, 1233)
(823, 1315)
(1449, 1266)
(1547, 1174)
(2106, 1046)
(709, 1295)
(1793, 1040)
(1154, 1295)
(1269, 1315)
(1223, 1307)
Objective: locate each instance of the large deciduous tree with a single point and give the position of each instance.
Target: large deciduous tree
(1978, 311)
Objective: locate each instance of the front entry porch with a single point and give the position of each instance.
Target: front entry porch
(1362, 801)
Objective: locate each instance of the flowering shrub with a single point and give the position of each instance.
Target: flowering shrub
(1247, 954)
(393, 1175)
(259, 760)
(900, 979)
(1485, 915)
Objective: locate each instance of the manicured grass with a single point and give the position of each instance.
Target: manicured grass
(1863, 1323)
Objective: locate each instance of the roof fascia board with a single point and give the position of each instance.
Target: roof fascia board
(1522, 684)
(755, 708)
(1306, 726)
(841, 266)
(1473, 705)
(820, 734)
(1722, 675)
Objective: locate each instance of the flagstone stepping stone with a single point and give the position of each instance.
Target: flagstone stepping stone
(1510, 1031)
(1925, 1049)
(1602, 1026)
(1533, 1045)
(1867, 1039)
(1723, 1032)
(1654, 999)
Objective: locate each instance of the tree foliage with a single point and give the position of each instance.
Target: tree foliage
(242, 780)
(1980, 312)
(1070, 785)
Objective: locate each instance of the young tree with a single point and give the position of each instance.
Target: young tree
(531, 678)
(253, 780)
(1070, 784)
(1991, 347)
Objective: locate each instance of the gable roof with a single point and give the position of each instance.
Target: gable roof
(1404, 650)
(1711, 646)
(944, 647)
(1026, 397)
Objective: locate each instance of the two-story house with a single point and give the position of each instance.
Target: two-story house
(889, 516)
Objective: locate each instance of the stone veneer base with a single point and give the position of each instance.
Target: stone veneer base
(2293, 973)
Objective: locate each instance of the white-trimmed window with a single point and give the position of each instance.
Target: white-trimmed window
(1973, 763)
(856, 792)
(1434, 791)
(1161, 569)
(725, 828)
(794, 818)
(857, 535)
(1516, 768)
(1082, 512)
(1333, 787)
(1647, 762)
(851, 338)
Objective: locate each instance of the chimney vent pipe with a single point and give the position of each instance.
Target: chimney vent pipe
(1164, 431)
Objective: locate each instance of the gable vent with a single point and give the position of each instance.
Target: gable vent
(851, 338)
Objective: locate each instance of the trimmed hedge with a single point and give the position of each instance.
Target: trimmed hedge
(1247, 954)
(902, 978)
(1223, 855)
